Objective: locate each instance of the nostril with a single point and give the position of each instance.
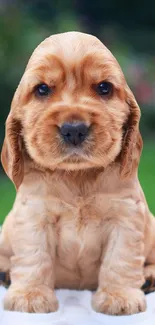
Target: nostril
(82, 130)
(74, 133)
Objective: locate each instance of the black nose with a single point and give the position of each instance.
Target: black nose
(74, 133)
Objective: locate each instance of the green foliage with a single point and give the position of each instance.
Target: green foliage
(146, 175)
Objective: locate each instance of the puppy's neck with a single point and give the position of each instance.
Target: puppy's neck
(107, 176)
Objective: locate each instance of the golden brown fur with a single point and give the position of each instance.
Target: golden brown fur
(80, 219)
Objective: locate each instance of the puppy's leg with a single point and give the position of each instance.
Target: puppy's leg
(32, 266)
(149, 274)
(149, 269)
(5, 245)
(121, 272)
(5, 262)
(4, 258)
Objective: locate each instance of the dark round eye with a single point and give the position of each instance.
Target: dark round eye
(42, 90)
(104, 88)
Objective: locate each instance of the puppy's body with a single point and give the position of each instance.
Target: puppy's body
(83, 215)
(81, 210)
(80, 219)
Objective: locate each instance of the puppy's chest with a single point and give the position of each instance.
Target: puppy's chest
(77, 211)
(77, 221)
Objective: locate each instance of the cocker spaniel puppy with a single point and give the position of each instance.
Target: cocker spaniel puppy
(72, 149)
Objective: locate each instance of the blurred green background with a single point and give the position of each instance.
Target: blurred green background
(126, 27)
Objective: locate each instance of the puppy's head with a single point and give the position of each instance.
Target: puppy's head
(72, 110)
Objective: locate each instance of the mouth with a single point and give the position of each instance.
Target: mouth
(75, 155)
(75, 162)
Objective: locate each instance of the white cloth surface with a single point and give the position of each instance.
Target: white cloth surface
(75, 309)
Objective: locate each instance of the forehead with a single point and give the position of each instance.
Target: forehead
(71, 51)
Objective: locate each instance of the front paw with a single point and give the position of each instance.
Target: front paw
(31, 299)
(119, 302)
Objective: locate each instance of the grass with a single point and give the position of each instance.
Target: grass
(146, 176)
(7, 195)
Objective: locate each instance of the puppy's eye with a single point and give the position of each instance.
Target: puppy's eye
(104, 88)
(42, 90)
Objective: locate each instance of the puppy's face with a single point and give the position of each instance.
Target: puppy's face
(72, 104)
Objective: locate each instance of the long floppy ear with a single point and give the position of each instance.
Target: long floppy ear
(11, 155)
(132, 142)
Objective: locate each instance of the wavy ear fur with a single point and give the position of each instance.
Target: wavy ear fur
(11, 155)
(132, 143)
